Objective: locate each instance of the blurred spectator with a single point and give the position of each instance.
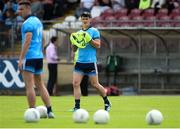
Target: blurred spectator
(172, 4)
(144, 4)
(10, 17)
(52, 60)
(131, 4)
(157, 3)
(59, 8)
(118, 4)
(4, 36)
(85, 6)
(10, 5)
(37, 8)
(102, 3)
(1, 5)
(48, 9)
(100, 7)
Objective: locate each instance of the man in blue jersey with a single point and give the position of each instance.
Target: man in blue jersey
(86, 63)
(31, 56)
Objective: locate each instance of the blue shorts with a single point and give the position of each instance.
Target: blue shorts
(89, 69)
(33, 65)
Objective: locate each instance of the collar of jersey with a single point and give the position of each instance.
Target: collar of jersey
(87, 28)
(28, 16)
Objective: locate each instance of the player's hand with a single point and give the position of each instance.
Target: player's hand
(77, 39)
(80, 39)
(20, 65)
(87, 37)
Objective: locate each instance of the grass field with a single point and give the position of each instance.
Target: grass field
(126, 112)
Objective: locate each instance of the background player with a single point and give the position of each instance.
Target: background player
(31, 56)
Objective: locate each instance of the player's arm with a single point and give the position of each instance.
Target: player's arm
(27, 41)
(96, 43)
(25, 48)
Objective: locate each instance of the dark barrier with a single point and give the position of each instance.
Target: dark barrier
(10, 77)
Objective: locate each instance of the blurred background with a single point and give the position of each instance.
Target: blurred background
(140, 51)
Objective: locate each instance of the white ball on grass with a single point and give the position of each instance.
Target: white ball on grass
(31, 115)
(42, 111)
(101, 116)
(80, 116)
(154, 117)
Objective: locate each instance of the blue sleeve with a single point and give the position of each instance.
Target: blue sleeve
(28, 27)
(96, 34)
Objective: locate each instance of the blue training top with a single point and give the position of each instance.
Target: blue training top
(88, 54)
(33, 24)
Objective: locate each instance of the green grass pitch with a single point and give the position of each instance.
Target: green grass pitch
(126, 112)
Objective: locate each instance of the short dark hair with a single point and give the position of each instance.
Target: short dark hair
(86, 14)
(53, 39)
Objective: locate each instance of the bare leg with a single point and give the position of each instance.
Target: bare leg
(95, 83)
(101, 90)
(42, 89)
(77, 78)
(30, 92)
(44, 94)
